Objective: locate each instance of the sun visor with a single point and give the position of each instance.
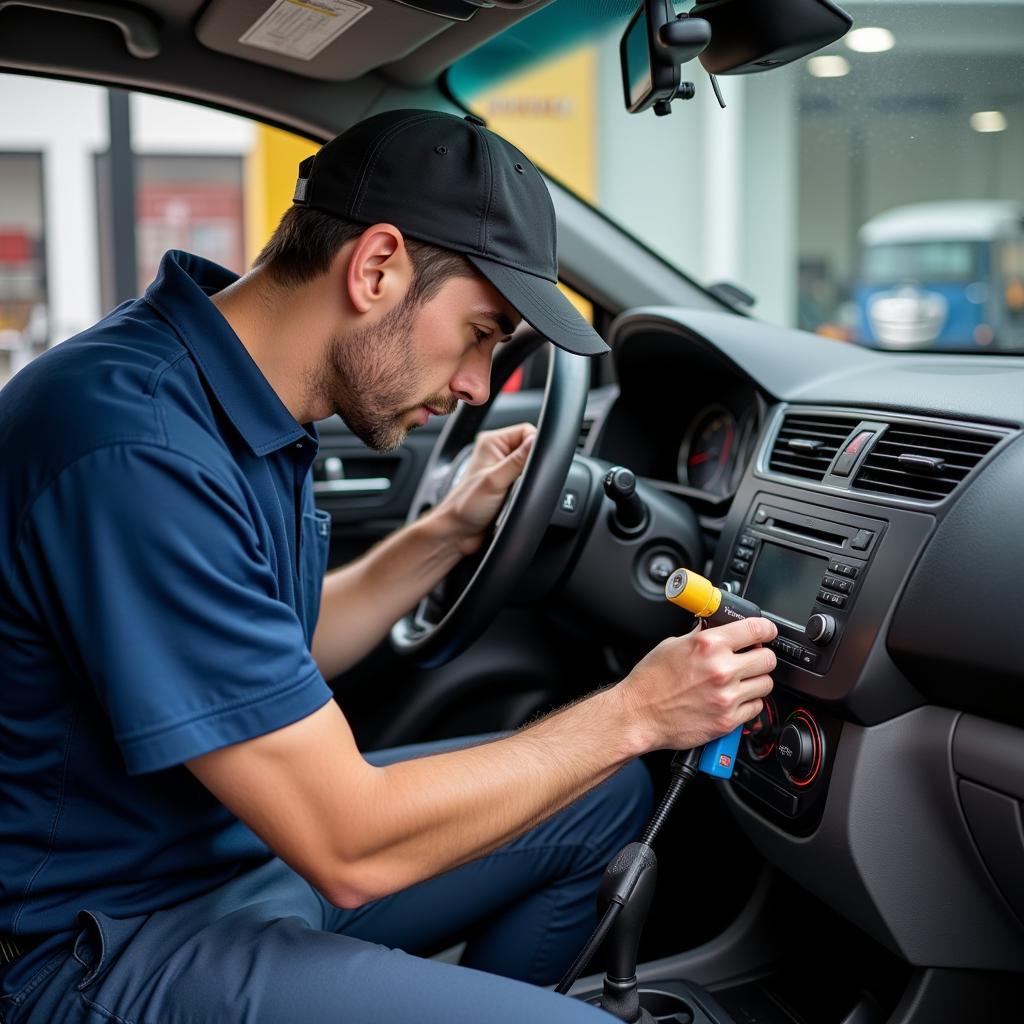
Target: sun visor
(333, 40)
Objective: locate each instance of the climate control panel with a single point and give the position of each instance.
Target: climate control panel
(784, 761)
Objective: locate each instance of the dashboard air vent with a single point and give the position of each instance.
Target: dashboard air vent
(807, 444)
(920, 462)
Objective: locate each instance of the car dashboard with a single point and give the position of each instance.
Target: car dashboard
(867, 502)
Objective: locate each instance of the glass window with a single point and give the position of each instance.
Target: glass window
(189, 202)
(22, 260)
(916, 117)
(921, 262)
(203, 180)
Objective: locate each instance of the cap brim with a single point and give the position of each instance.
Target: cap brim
(543, 307)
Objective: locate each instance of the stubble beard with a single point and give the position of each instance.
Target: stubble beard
(370, 375)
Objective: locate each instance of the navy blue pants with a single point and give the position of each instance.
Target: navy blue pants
(267, 948)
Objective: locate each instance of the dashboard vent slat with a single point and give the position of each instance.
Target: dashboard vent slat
(806, 445)
(922, 463)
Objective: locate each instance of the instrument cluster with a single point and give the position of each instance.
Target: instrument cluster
(717, 444)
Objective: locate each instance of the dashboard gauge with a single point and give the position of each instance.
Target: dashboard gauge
(745, 442)
(709, 449)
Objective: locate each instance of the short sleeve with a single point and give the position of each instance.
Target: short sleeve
(152, 574)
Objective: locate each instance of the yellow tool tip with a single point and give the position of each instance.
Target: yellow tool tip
(693, 592)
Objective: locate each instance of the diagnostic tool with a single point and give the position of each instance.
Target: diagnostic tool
(713, 607)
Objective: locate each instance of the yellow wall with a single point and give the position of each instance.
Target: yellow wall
(550, 113)
(271, 170)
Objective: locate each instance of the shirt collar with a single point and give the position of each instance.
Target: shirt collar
(180, 293)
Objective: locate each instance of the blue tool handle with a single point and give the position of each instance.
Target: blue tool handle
(718, 758)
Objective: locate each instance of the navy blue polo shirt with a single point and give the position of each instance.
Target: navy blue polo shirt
(160, 571)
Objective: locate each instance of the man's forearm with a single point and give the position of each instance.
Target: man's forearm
(360, 601)
(435, 813)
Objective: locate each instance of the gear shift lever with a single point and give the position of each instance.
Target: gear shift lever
(630, 876)
(625, 896)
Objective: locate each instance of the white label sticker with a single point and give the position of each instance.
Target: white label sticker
(302, 28)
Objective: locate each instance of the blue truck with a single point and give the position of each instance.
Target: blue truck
(942, 275)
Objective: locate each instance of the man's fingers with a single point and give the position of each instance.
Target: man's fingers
(504, 473)
(507, 439)
(745, 633)
(752, 689)
(759, 661)
(751, 697)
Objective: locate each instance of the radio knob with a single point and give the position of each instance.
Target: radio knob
(820, 629)
(795, 749)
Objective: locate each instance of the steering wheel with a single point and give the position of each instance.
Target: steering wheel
(456, 612)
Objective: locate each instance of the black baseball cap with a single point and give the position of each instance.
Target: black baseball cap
(449, 181)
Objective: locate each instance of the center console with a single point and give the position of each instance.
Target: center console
(805, 567)
(827, 575)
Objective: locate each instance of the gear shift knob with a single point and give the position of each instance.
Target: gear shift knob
(629, 880)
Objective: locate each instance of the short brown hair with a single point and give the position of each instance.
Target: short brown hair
(306, 241)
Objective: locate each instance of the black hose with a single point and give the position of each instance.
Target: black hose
(682, 770)
(592, 945)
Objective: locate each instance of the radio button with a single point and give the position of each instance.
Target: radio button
(842, 569)
(831, 598)
(844, 586)
(745, 553)
(740, 567)
(748, 540)
(806, 659)
(861, 540)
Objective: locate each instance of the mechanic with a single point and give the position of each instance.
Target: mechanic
(188, 830)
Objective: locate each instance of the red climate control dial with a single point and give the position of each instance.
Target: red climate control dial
(800, 748)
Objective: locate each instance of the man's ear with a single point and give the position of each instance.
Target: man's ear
(379, 269)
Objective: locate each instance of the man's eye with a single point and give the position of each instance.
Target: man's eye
(480, 334)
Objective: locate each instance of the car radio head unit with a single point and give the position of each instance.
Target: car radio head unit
(804, 567)
(785, 582)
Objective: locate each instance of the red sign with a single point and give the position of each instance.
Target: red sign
(15, 247)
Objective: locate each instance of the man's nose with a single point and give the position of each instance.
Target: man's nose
(472, 381)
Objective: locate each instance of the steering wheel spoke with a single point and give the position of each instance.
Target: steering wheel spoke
(432, 488)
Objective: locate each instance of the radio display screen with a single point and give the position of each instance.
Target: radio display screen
(785, 582)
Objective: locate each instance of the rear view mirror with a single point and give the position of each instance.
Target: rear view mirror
(652, 49)
(751, 35)
(731, 37)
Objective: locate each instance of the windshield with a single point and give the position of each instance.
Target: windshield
(917, 262)
(873, 192)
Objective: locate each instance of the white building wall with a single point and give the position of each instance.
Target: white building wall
(67, 123)
(160, 125)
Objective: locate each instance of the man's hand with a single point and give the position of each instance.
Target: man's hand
(360, 601)
(497, 460)
(691, 689)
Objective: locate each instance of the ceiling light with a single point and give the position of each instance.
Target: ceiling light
(870, 40)
(828, 67)
(988, 121)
